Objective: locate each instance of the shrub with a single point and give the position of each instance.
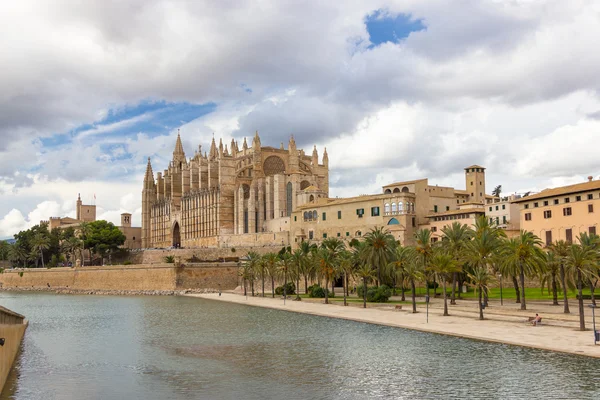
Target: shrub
(1, 270)
(233, 249)
(170, 259)
(290, 288)
(433, 285)
(21, 274)
(128, 262)
(375, 294)
(317, 291)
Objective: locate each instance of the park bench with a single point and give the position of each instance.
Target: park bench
(530, 319)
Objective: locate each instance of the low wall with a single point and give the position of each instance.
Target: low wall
(12, 329)
(126, 277)
(157, 256)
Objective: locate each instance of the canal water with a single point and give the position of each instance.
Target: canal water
(108, 347)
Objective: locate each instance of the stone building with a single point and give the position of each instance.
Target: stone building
(241, 196)
(562, 213)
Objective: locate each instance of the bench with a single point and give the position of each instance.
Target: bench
(530, 319)
(398, 307)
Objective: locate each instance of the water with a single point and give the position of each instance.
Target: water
(94, 347)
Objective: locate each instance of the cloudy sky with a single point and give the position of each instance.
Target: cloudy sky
(395, 90)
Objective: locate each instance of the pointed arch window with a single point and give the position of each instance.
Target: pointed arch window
(394, 208)
(386, 207)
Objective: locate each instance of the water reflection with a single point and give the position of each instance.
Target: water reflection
(97, 347)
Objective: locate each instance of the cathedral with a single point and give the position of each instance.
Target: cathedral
(240, 196)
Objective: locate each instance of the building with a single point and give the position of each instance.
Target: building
(240, 196)
(403, 208)
(562, 213)
(87, 213)
(504, 213)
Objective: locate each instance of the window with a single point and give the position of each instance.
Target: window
(567, 200)
(434, 239)
(447, 208)
(457, 201)
(567, 211)
(386, 208)
(480, 194)
(339, 215)
(590, 196)
(490, 208)
(577, 198)
(471, 183)
(295, 218)
(310, 235)
(527, 216)
(491, 221)
(548, 238)
(414, 222)
(324, 216)
(545, 202)
(433, 229)
(358, 233)
(324, 236)
(504, 206)
(374, 211)
(434, 208)
(548, 214)
(526, 206)
(360, 212)
(339, 234)
(592, 230)
(535, 205)
(497, 220)
(569, 235)
(590, 208)
(555, 201)
(504, 219)
(347, 233)
(496, 208)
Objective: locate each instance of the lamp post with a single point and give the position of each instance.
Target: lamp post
(501, 301)
(427, 306)
(596, 334)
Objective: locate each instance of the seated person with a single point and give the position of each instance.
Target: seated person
(536, 320)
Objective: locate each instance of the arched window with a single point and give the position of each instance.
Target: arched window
(314, 214)
(404, 189)
(311, 198)
(387, 207)
(394, 209)
(393, 221)
(289, 199)
(400, 208)
(306, 215)
(358, 233)
(396, 190)
(387, 191)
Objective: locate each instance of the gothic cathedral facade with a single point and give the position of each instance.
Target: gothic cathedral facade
(239, 196)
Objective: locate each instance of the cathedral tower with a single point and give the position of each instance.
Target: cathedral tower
(148, 197)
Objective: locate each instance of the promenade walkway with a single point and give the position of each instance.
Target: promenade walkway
(503, 324)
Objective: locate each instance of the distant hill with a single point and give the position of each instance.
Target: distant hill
(10, 241)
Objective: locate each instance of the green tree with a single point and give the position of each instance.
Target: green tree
(413, 272)
(523, 253)
(561, 250)
(253, 261)
(456, 237)
(345, 268)
(70, 246)
(271, 261)
(579, 264)
(366, 273)
(443, 265)
(103, 237)
(379, 249)
(39, 243)
(424, 250)
(402, 256)
(18, 254)
(481, 278)
(4, 250)
(549, 273)
(308, 266)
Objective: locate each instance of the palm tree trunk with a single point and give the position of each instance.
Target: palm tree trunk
(445, 300)
(263, 284)
(522, 276)
(453, 298)
(402, 288)
(326, 290)
(592, 287)
(480, 303)
(485, 296)
(298, 287)
(394, 284)
(245, 291)
(365, 292)
(517, 291)
(565, 289)
(347, 283)
(434, 288)
(581, 310)
(272, 287)
(305, 284)
(345, 286)
(414, 295)
(42, 254)
(554, 291)
(333, 286)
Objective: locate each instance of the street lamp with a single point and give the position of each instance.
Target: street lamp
(596, 333)
(501, 301)
(427, 305)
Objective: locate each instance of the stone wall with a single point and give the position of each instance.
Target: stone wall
(157, 256)
(131, 277)
(12, 329)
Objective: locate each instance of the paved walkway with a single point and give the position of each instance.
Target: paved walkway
(505, 324)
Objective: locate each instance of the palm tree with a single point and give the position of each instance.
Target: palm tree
(18, 254)
(71, 245)
(579, 263)
(40, 243)
(285, 265)
(308, 270)
(334, 246)
(378, 250)
(424, 249)
(549, 273)
(481, 278)
(456, 237)
(413, 272)
(270, 264)
(482, 250)
(326, 267)
(561, 249)
(443, 265)
(84, 230)
(344, 268)
(591, 241)
(298, 262)
(524, 254)
(365, 271)
(402, 256)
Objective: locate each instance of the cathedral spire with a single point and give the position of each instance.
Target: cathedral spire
(256, 141)
(178, 153)
(325, 157)
(315, 156)
(213, 149)
(149, 176)
(245, 145)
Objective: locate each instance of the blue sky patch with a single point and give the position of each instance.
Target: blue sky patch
(383, 27)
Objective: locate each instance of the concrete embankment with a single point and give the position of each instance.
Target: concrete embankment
(154, 277)
(12, 329)
(554, 338)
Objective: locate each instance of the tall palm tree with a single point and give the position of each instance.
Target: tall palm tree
(335, 246)
(18, 254)
(344, 268)
(443, 265)
(70, 246)
(482, 250)
(327, 261)
(424, 249)
(271, 261)
(591, 241)
(365, 271)
(84, 230)
(456, 237)
(561, 250)
(253, 261)
(285, 265)
(481, 278)
(579, 264)
(549, 273)
(402, 256)
(524, 253)
(413, 271)
(298, 262)
(40, 243)
(308, 270)
(378, 250)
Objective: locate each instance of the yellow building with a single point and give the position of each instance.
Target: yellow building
(466, 214)
(562, 213)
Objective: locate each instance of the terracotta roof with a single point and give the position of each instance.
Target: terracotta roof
(455, 212)
(571, 189)
(474, 166)
(405, 182)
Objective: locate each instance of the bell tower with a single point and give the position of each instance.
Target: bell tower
(475, 183)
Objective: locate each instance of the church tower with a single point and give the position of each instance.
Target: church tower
(78, 207)
(148, 197)
(475, 183)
